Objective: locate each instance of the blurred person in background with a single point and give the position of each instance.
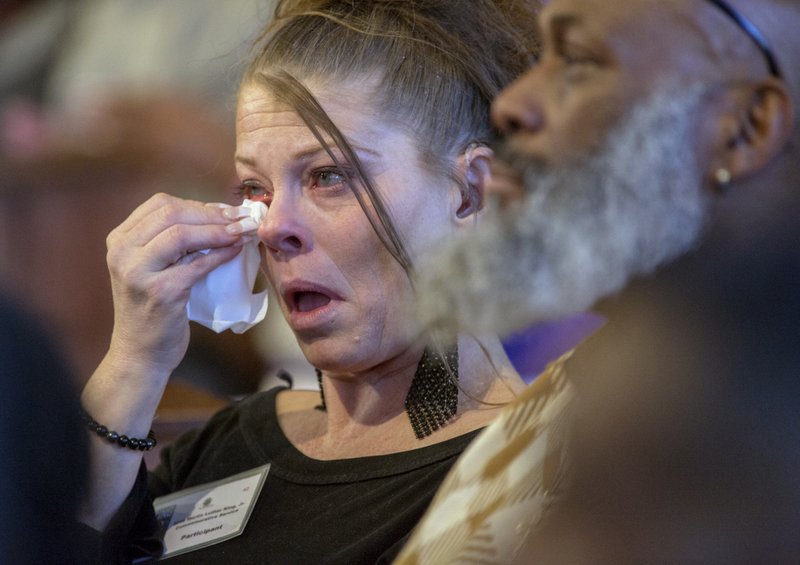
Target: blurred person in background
(651, 158)
(45, 465)
(100, 102)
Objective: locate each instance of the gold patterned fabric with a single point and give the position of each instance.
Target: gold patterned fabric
(498, 490)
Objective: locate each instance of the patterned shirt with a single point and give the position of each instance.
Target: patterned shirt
(501, 485)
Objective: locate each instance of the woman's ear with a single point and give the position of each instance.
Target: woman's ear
(754, 126)
(473, 168)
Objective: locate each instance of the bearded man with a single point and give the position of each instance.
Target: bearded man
(652, 162)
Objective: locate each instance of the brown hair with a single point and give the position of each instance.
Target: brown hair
(439, 64)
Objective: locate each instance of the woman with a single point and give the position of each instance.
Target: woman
(364, 127)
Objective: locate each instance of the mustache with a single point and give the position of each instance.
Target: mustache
(507, 162)
(508, 159)
(510, 165)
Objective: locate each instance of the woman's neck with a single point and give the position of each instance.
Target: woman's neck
(365, 412)
(372, 397)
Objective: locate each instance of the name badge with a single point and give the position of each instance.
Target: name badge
(207, 514)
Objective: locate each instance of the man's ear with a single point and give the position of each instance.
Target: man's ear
(473, 169)
(755, 125)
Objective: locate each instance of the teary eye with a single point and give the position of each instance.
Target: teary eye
(252, 191)
(327, 178)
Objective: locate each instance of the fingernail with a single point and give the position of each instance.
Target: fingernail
(235, 212)
(242, 226)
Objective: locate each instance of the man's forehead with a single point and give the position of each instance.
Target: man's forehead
(618, 15)
(719, 29)
(645, 37)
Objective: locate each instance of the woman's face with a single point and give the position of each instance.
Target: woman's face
(347, 299)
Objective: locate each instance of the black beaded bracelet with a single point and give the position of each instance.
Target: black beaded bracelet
(137, 444)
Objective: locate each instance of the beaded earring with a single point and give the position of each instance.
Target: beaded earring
(432, 400)
(321, 405)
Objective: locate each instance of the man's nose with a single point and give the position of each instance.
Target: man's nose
(516, 108)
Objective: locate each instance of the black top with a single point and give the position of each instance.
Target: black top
(310, 511)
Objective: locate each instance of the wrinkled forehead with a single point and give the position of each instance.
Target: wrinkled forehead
(349, 106)
(627, 17)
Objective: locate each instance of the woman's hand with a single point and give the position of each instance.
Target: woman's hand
(154, 259)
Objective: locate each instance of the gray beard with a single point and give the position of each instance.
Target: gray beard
(580, 233)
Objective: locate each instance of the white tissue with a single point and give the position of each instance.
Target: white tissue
(224, 298)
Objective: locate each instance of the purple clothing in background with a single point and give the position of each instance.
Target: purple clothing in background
(531, 349)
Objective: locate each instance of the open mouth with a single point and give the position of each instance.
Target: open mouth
(304, 297)
(306, 301)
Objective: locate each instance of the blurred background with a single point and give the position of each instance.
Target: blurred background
(102, 104)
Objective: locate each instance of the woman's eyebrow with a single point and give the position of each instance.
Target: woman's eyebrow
(307, 153)
(249, 161)
(316, 149)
